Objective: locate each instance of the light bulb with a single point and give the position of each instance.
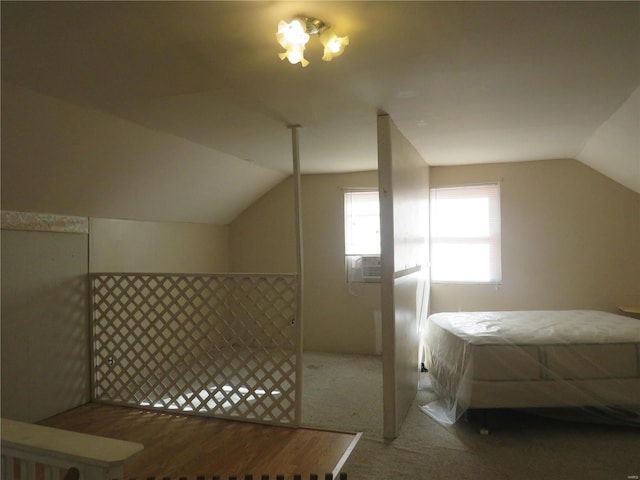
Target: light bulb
(295, 55)
(292, 34)
(333, 44)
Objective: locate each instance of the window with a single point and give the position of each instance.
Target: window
(362, 235)
(465, 234)
(362, 223)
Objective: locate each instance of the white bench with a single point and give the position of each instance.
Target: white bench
(95, 458)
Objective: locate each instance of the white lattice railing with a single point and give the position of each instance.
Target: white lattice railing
(217, 345)
(35, 452)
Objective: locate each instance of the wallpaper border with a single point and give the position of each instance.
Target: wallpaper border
(44, 222)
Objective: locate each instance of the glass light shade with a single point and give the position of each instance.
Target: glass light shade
(333, 44)
(295, 55)
(292, 34)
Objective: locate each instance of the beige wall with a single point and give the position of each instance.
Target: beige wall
(160, 247)
(570, 239)
(262, 238)
(45, 325)
(338, 317)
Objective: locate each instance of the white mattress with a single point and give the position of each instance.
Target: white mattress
(533, 358)
(539, 327)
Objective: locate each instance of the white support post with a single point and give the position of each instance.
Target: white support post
(295, 146)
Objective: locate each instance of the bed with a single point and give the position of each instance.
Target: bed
(531, 359)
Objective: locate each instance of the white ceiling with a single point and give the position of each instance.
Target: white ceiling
(466, 82)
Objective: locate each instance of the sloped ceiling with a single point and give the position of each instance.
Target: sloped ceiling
(178, 110)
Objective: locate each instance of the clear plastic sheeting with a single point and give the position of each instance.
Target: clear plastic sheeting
(575, 364)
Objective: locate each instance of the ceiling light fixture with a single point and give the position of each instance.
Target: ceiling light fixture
(293, 37)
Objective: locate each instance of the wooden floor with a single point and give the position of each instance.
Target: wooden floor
(189, 446)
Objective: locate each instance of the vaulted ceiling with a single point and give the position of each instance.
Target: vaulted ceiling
(178, 110)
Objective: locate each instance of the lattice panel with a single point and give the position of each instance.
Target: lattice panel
(222, 346)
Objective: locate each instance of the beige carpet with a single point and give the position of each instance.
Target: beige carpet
(344, 392)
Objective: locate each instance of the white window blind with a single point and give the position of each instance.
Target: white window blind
(465, 234)
(362, 223)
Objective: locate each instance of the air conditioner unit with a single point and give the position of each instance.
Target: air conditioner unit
(364, 268)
